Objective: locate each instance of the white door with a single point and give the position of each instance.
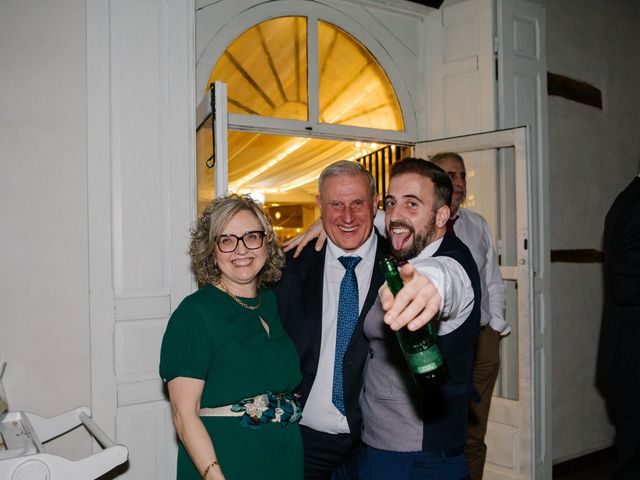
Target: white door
(497, 166)
(486, 71)
(140, 128)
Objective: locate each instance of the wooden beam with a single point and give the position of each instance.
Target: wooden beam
(577, 256)
(429, 3)
(575, 90)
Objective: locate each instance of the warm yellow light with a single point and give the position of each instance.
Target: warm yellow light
(295, 184)
(281, 156)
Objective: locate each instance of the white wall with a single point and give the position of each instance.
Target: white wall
(44, 324)
(593, 154)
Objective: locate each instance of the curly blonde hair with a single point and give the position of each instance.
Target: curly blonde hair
(209, 227)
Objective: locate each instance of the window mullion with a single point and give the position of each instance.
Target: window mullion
(312, 71)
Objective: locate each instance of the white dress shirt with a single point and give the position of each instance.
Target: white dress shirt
(473, 230)
(453, 285)
(319, 412)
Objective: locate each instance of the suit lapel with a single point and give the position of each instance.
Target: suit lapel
(312, 301)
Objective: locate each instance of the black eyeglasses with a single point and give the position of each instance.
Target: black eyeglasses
(253, 240)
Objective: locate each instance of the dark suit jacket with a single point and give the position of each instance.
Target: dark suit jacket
(300, 307)
(619, 356)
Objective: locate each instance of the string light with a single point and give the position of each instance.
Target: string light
(281, 156)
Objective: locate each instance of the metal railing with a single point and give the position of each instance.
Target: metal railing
(379, 164)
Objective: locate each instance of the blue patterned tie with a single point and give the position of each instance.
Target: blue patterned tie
(348, 308)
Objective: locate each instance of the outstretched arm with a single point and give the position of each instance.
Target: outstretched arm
(315, 231)
(415, 305)
(432, 287)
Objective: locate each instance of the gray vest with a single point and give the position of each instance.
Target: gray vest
(393, 408)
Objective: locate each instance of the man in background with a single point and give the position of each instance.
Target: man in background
(473, 230)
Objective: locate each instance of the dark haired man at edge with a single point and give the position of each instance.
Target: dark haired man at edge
(619, 355)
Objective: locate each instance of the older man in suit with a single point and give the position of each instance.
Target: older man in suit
(619, 359)
(323, 298)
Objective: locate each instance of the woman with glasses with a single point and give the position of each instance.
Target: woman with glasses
(229, 366)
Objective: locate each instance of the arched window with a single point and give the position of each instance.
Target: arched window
(267, 72)
(302, 92)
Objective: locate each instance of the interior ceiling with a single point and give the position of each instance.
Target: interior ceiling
(266, 69)
(291, 164)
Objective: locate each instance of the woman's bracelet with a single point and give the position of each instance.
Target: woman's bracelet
(211, 465)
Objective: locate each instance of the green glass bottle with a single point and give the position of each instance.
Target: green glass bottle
(420, 348)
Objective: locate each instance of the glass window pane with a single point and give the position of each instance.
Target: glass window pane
(280, 165)
(354, 90)
(491, 180)
(266, 70)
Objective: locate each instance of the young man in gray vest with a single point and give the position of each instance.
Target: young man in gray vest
(409, 433)
(472, 229)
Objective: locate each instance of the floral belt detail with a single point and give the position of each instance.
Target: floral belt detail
(283, 408)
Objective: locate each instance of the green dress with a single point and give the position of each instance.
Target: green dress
(213, 338)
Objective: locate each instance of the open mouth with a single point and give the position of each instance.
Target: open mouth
(345, 229)
(400, 234)
(242, 262)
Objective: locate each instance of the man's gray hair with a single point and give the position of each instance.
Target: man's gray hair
(439, 157)
(348, 168)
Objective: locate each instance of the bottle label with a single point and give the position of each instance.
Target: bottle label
(426, 360)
